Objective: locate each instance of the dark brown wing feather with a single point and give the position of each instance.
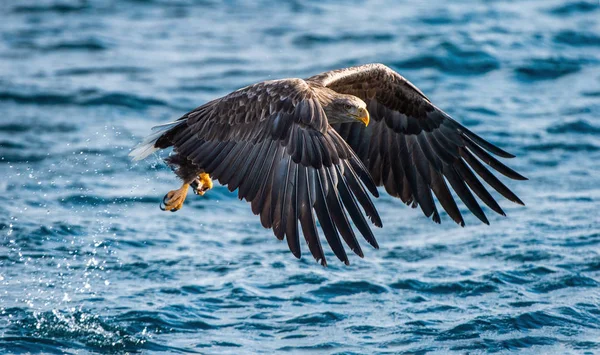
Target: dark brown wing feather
(272, 142)
(413, 148)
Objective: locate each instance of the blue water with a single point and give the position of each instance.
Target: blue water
(88, 262)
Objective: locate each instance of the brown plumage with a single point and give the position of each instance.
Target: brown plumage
(301, 151)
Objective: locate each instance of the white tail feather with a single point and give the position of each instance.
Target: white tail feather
(146, 147)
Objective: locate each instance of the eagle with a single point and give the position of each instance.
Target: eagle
(303, 151)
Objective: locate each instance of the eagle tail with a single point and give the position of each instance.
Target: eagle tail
(148, 145)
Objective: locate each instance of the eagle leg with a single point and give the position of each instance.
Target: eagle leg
(173, 200)
(202, 184)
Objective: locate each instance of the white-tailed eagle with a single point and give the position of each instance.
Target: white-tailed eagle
(302, 151)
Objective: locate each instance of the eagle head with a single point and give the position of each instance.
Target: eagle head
(346, 108)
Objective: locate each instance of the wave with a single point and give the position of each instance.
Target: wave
(120, 99)
(450, 58)
(101, 70)
(61, 8)
(299, 279)
(463, 287)
(20, 127)
(93, 200)
(569, 281)
(410, 254)
(569, 147)
(309, 40)
(579, 126)
(347, 288)
(317, 318)
(36, 98)
(82, 98)
(575, 7)
(591, 93)
(85, 44)
(530, 256)
(91, 44)
(19, 157)
(523, 322)
(160, 321)
(312, 348)
(547, 68)
(483, 111)
(6, 144)
(512, 344)
(577, 38)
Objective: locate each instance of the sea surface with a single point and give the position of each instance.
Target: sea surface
(89, 264)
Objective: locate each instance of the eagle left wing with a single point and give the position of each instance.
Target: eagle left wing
(272, 142)
(412, 147)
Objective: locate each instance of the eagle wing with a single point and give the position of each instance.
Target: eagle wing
(271, 141)
(412, 147)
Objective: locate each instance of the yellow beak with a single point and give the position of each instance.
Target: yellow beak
(363, 116)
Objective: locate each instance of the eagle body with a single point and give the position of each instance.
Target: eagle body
(302, 151)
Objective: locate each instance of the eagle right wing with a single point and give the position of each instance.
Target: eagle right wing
(412, 148)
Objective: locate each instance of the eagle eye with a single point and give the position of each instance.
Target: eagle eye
(347, 106)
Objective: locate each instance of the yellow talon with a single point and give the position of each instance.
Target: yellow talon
(204, 183)
(173, 200)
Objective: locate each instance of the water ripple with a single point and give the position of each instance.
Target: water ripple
(577, 38)
(89, 264)
(580, 127)
(309, 40)
(548, 68)
(451, 59)
(463, 288)
(575, 7)
(565, 282)
(345, 288)
(83, 98)
(321, 319)
(60, 8)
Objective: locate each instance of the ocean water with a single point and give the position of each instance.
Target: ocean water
(89, 264)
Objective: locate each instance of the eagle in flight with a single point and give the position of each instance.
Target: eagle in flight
(302, 150)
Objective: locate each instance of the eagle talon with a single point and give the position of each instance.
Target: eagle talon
(202, 184)
(194, 185)
(173, 200)
(163, 203)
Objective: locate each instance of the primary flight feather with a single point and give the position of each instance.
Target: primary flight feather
(302, 151)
